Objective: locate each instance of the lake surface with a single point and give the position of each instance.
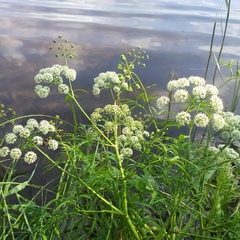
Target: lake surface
(176, 35)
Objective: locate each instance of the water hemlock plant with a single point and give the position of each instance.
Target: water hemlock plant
(122, 175)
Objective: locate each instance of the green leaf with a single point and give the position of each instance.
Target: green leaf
(18, 188)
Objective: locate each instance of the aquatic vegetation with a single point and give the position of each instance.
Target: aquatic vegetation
(123, 175)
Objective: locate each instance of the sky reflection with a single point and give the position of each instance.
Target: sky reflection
(176, 34)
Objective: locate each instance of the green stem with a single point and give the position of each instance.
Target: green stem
(223, 40)
(146, 98)
(124, 188)
(86, 115)
(80, 180)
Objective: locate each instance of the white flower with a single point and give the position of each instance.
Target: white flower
(38, 140)
(172, 85)
(137, 125)
(30, 157)
(218, 122)
(47, 77)
(230, 153)
(109, 126)
(10, 138)
(17, 128)
(126, 152)
(4, 151)
(146, 133)
(38, 78)
(53, 144)
(63, 89)
(183, 118)
(45, 70)
(211, 89)
(213, 150)
(235, 134)
(198, 81)
(183, 82)
(58, 80)
(44, 126)
(116, 89)
(201, 120)
(162, 101)
(96, 91)
(41, 91)
(216, 103)
(122, 138)
(99, 82)
(113, 77)
(134, 139)
(199, 92)
(51, 128)
(71, 74)
(225, 135)
(15, 153)
(32, 122)
(96, 116)
(25, 133)
(181, 95)
(125, 108)
(55, 70)
(125, 85)
(126, 131)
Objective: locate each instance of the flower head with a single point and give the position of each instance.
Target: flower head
(162, 101)
(47, 77)
(53, 144)
(216, 103)
(218, 122)
(44, 126)
(25, 133)
(41, 91)
(201, 120)
(17, 128)
(126, 152)
(96, 91)
(181, 95)
(70, 74)
(172, 85)
(199, 92)
(4, 151)
(32, 122)
(30, 157)
(198, 81)
(211, 90)
(10, 138)
(183, 118)
(63, 89)
(15, 153)
(183, 82)
(38, 140)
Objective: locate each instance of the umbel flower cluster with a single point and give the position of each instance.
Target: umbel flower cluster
(53, 75)
(198, 97)
(117, 119)
(28, 135)
(109, 80)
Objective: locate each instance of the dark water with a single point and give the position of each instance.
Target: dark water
(176, 35)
